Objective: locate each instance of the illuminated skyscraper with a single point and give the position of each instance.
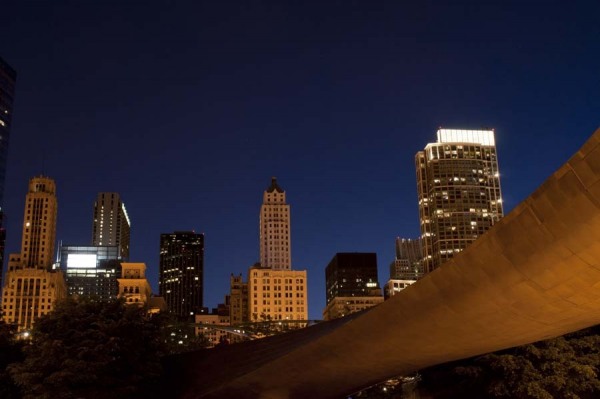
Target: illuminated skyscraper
(111, 223)
(8, 76)
(39, 229)
(274, 225)
(458, 186)
(32, 287)
(181, 272)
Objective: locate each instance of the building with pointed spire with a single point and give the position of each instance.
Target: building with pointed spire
(274, 226)
(32, 286)
(458, 186)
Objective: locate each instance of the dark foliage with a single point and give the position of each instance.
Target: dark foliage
(11, 351)
(91, 349)
(563, 367)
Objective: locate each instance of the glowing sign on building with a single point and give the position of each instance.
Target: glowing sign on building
(77, 261)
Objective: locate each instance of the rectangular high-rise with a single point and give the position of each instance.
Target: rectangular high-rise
(111, 223)
(8, 77)
(181, 272)
(274, 227)
(351, 274)
(351, 284)
(458, 186)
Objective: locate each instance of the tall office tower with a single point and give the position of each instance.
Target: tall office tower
(275, 243)
(111, 223)
(351, 284)
(458, 186)
(8, 76)
(91, 270)
(39, 229)
(408, 264)
(181, 271)
(32, 286)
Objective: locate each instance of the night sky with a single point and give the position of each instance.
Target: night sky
(188, 109)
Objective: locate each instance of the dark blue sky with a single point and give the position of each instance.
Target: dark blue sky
(188, 109)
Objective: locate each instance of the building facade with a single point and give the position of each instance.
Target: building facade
(111, 223)
(458, 186)
(214, 335)
(39, 229)
(8, 78)
(133, 284)
(394, 286)
(181, 272)
(277, 294)
(274, 226)
(408, 264)
(351, 274)
(343, 306)
(91, 270)
(32, 286)
(238, 293)
(351, 284)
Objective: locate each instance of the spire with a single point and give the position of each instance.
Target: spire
(274, 186)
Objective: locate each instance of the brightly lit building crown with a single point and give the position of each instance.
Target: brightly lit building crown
(483, 137)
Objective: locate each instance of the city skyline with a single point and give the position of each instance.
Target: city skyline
(188, 127)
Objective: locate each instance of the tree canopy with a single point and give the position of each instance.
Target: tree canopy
(563, 367)
(91, 349)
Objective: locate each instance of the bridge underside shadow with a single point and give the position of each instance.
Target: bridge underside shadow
(534, 275)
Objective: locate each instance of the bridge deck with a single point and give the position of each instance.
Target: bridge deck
(534, 275)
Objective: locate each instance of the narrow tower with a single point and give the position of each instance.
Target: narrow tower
(39, 229)
(458, 186)
(111, 223)
(32, 286)
(275, 243)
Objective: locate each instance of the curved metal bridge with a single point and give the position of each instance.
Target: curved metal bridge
(534, 275)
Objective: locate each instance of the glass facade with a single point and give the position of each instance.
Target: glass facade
(458, 186)
(91, 270)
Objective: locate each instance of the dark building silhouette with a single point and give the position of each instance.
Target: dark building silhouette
(351, 274)
(8, 77)
(181, 272)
